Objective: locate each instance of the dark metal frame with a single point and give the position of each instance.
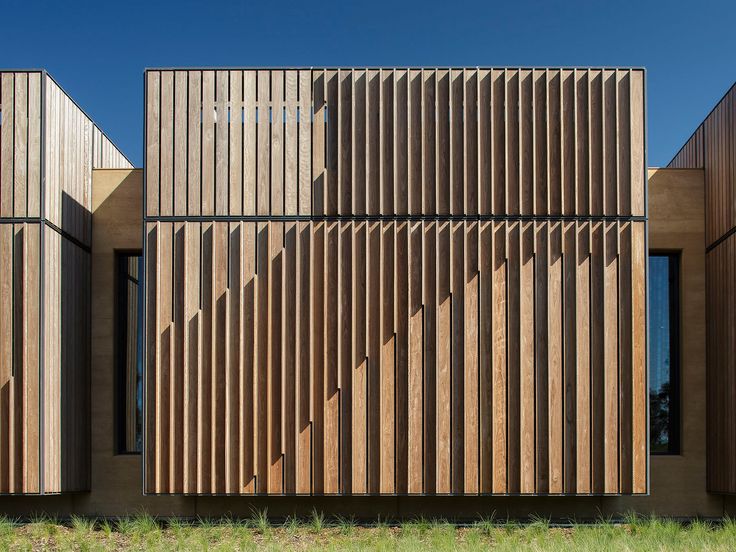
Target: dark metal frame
(675, 375)
(119, 347)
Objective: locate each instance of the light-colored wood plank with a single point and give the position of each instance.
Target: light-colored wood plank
(180, 135)
(443, 362)
(194, 144)
(208, 143)
(166, 151)
(250, 155)
(236, 144)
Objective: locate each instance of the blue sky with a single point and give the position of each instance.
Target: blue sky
(98, 50)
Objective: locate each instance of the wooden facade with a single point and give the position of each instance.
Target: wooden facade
(712, 147)
(48, 149)
(395, 281)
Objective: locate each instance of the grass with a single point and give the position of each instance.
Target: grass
(320, 533)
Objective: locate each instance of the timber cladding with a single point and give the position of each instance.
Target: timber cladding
(712, 147)
(395, 281)
(48, 149)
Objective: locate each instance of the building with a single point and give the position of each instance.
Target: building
(383, 291)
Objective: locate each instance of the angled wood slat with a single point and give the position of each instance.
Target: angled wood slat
(405, 315)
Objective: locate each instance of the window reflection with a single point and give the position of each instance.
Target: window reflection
(663, 353)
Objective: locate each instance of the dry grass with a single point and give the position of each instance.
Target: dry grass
(320, 533)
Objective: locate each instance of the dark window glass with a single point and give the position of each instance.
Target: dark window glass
(664, 372)
(129, 330)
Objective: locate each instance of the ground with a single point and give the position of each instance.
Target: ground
(143, 532)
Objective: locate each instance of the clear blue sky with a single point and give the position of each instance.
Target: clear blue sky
(98, 50)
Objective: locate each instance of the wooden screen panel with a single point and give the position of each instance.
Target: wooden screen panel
(20, 144)
(274, 345)
(391, 142)
(19, 362)
(460, 351)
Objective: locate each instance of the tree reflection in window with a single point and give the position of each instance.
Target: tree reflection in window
(664, 401)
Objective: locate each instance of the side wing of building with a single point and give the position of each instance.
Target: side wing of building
(48, 149)
(712, 147)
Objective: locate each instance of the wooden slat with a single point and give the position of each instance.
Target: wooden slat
(639, 391)
(235, 144)
(305, 142)
(181, 134)
(193, 141)
(166, 156)
(208, 143)
(7, 153)
(456, 390)
(387, 376)
(276, 116)
(304, 366)
(20, 146)
(249, 143)
(582, 365)
(345, 354)
(443, 362)
(499, 359)
(611, 362)
(429, 295)
(291, 150)
(358, 416)
(471, 437)
(415, 375)
(331, 439)
(402, 412)
(222, 125)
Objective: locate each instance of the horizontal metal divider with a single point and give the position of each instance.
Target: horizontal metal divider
(396, 218)
(41, 220)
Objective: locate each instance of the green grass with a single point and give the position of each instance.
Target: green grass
(321, 533)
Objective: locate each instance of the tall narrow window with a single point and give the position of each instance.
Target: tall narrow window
(664, 370)
(129, 354)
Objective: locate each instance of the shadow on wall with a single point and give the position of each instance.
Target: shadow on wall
(124, 198)
(72, 273)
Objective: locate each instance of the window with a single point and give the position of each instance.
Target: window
(664, 370)
(129, 353)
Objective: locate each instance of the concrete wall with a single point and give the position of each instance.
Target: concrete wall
(677, 482)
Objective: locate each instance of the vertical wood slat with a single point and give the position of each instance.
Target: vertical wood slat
(430, 356)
